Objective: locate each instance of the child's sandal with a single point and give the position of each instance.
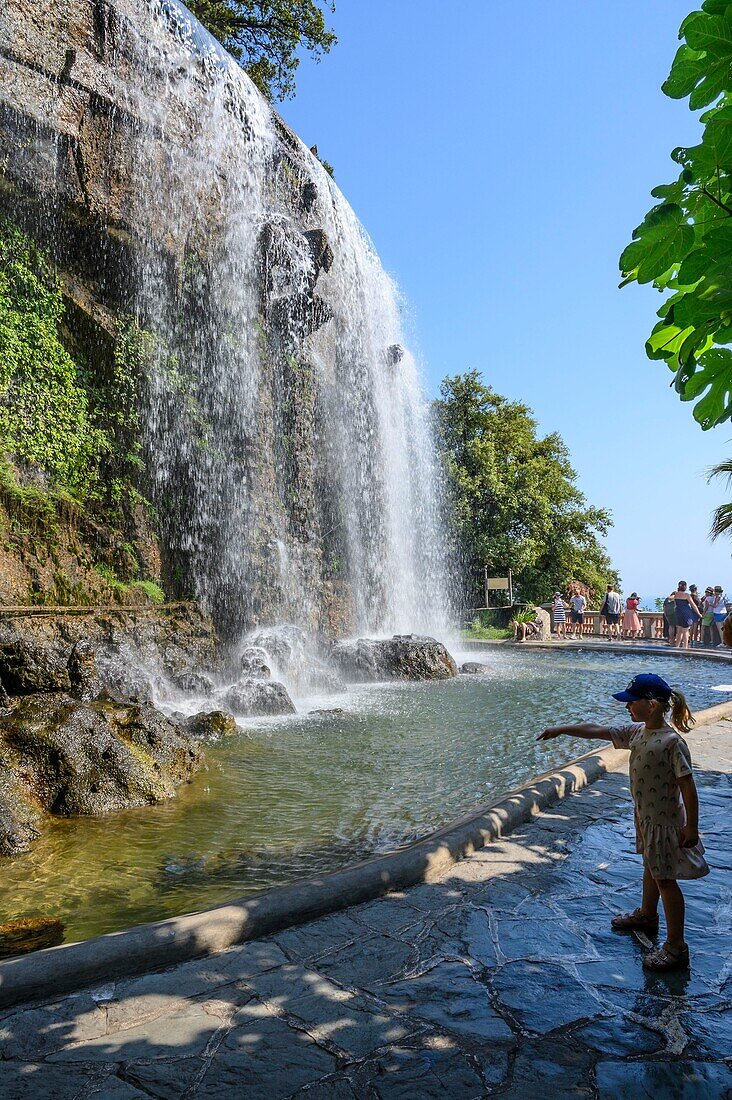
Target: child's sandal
(665, 958)
(626, 922)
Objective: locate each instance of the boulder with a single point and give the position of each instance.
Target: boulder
(18, 937)
(326, 712)
(27, 667)
(253, 663)
(63, 756)
(474, 667)
(403, 657)
(252, 698)
(294, 654)
(210, 725)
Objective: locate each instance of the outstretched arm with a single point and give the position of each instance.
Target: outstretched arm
(690, 831)
(590, 730)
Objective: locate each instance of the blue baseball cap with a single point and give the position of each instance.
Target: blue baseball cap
(645, 686)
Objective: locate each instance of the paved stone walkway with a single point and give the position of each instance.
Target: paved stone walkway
(503, 979)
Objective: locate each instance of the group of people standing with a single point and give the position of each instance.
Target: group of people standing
(688, 617)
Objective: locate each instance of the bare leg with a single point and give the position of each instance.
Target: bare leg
(649, 904)
(673, 908)
(682, 637)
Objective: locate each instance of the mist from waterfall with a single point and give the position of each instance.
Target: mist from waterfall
(286, 429)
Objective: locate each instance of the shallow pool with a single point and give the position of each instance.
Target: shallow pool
(288, 798)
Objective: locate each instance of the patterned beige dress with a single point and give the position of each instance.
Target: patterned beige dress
(658, 758)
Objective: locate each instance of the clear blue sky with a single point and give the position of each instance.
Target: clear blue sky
(500, 157)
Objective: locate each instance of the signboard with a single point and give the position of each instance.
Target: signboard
(497, 584)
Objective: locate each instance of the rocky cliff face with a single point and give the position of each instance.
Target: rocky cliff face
(284, 438)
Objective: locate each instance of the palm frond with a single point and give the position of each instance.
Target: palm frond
(722, 469)
(721, 521)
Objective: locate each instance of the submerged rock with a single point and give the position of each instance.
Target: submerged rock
(27, 666)
(18, 937)
(403, 657)
(327, 712)
(210, 725)
(62, 756)
(258, 698)
(474, 667)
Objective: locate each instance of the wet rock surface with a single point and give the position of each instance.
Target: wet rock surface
(210, 725)
(403, 657)
(63, 756)
(252, 698)
(432, 992)
(27, 667)
(474, 667)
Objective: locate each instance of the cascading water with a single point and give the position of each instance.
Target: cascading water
(287, 432)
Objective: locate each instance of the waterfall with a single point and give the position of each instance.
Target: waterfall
(285, 426)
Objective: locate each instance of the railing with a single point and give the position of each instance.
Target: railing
(651, 622)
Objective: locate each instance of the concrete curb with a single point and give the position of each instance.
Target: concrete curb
(70, 967)
(605, 647)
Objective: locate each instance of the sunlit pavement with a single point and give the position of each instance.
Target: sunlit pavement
(503, 979)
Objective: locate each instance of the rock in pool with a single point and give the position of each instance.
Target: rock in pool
(474, 667)
(258, 698)
(210, 725)
(403, 657)
(326, 712)
(62, 756)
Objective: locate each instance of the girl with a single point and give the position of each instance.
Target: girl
(559, 616)
(666, 808)
(632, 626)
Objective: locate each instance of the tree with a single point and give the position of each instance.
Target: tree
(265, 36)
(514, 501)
(684, 244)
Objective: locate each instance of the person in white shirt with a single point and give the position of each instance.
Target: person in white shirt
(577, 605)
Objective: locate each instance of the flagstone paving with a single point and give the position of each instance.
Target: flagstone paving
(503, 979)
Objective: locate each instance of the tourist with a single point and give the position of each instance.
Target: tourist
(559, 617)
(669, 620)
(632, 626)
(612, 605)
(577, 605)
(719, 609)
(695, 632)
(531, 629)
(666, 813)
(686, 614)
(707, 617)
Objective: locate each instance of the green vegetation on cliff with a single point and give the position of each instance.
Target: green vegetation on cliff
(515, 504)
(72, 423)
(265, 36)
(44, 414)
(69, 437)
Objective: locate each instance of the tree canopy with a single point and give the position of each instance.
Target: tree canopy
(265, 36)
(514, 501)
(684, 243)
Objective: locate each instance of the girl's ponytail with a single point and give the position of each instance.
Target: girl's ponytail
(681, 716)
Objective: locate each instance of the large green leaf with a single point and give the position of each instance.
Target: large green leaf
(710, 33)
(663, 238)
(713, 375)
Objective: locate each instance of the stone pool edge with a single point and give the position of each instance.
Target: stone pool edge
(137, 950)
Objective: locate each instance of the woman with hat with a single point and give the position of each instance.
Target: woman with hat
(632, 626)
